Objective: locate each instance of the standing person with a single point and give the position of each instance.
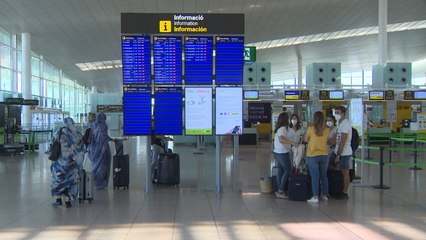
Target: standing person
(295, 134)
(317, 156)
(331, 124)
(282, 147)
(99, 152)
(66, 169)
(343, 151)
(295, 128)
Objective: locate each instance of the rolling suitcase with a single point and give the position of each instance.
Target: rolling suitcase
(299, 187)
(168, 169)
(86, 187)
(120, 166)
(335, 183)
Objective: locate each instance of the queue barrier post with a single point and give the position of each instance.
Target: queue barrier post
(380, 185)
(415, 168)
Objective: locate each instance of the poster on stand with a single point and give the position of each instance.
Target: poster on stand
(198, 111)
(229, 110)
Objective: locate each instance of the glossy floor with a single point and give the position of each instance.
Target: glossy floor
(195, 211)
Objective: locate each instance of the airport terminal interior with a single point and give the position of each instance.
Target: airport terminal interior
(210, 79)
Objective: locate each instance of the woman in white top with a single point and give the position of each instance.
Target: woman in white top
(295, 128)
(282, 147)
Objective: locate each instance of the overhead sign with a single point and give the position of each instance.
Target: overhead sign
(181, 23)
(250, 54)
(376, 95)
(198, 111)
(109, 108)
(389, 95)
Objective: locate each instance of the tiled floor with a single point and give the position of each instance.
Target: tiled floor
(196, 211)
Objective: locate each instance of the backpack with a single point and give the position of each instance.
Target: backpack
(354, 140)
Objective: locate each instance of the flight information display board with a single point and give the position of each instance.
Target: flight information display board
(198, 60)
(198, 111)
(136, 54)
(229, 110)
(168, 110)
(167, 60)
(229, 60)
(137, 110)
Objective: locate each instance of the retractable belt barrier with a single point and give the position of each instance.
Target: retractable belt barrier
(412, 166)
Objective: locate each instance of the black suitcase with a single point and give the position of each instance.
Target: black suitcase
(335, 183)
(168, 169)
(299, 187)
(120, 171)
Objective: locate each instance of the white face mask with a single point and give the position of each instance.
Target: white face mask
(294, 122)
(330, 124)
(338, 117)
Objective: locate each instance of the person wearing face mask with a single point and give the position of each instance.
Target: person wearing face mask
(295, 134)
(331, 125)
(342, 152)
(295, 128)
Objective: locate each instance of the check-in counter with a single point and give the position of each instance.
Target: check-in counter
(249, 136)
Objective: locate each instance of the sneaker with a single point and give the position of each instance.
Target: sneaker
(324, 198)
(281, 195)
(313, 200)
(342, 196)
(58, 202)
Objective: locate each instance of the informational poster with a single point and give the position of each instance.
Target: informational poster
(229, 110)
(198, 111)
(259, 113)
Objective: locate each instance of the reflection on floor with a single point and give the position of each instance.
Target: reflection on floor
(195, 211)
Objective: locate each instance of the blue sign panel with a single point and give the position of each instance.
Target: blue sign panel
(168, 111)
(229, 60)
(167, 60)
(198, 60)
(137, 110)
(136, 54)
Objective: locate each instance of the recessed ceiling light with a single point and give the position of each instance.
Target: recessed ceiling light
(99, 65)
(254, 6)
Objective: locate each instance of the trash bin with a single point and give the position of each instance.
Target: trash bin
(265, 184)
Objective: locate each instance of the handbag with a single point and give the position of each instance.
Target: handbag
(55, 150)
(85, 138)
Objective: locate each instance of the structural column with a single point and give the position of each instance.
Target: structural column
(14, 64)
(383, 35)
(299, 66)
(26, 77)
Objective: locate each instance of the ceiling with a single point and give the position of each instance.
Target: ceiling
(66, 32)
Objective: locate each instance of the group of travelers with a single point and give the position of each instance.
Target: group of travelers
(328, 141)
(67, 169)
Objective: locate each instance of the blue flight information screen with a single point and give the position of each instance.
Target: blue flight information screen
(229, 60)
(136, 60)
(168, 110)
(167, 60)
(198, 60)
(137, 110)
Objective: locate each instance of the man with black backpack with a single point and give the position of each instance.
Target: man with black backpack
(343, 151)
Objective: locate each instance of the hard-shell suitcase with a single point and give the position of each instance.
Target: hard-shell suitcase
(335, 183)
(299, 187)
(86, 187)
(168, 169)
(120, 168)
